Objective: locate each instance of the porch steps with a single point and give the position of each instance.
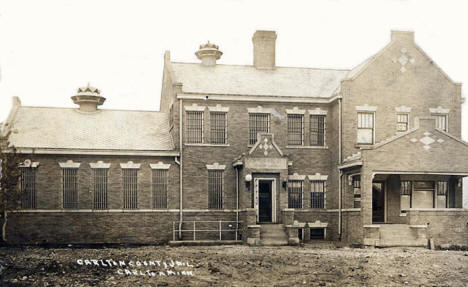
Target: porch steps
(402, 235)
(273, 235)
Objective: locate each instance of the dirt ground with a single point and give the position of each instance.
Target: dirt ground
(232, 266)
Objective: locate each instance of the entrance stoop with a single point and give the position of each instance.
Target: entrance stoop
(390, 235)
(273, 235)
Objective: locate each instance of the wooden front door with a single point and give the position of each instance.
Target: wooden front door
(378, 202)
(265, 201)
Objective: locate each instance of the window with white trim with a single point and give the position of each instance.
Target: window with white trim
(215, 189)
(159, 185)
(70, 188)
(441, 122)
(317, 130)
(295, 129)
(406, 189)
(130, 188)
(365, 128)
(28, 187)
(258, 123)
(218, 127)
(402, 122)
(441, 193)
(100, 188)
(356, 182)
(194, 127)
(317, 193)
(295, 188)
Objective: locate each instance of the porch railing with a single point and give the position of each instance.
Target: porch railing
(219, 228)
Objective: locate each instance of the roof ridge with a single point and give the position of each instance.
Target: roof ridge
(285, 67)
(68, 108)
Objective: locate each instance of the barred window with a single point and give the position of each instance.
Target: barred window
(215, 189)
(295, 193)
(28, 187)
(130, 187)
(218, 126)
(442, 187)
(159, 181)
(295, 129)
(194, 127)
(365, 132)
(357, 191)
(402, 122)
(317, 130)
(70, 190)
(441, 122)
(317, 194)
(100, 188)
(258, 123)
(405, 187)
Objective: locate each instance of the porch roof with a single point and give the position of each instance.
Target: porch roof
(424, 150)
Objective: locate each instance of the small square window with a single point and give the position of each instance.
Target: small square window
(402, 122)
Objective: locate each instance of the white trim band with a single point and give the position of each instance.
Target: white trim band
(130, 165)
(99, 164)
(69, 164)
(29, 163)
(194, 108)
(219, 109)
(296, 176)
(259, 110)
(439, 110)
(160, 165)
(366, 108)
(295, 111)
(318, 111)
(215, 166)
(403, 109)
(318, 176)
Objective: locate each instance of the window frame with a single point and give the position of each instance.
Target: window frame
(359, 113)
(67, 174)
(215, 189)
(214, 132)
(290, 133)
(159, 185)
(312, 133)
(192, 130)
(130, 188)
(313, 191)
(357, 191)
(300, 203)
(398, 122)
(446, 118)
(31, 191)
(103, 204)
(252, 137)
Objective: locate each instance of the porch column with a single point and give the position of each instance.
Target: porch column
(366, 196)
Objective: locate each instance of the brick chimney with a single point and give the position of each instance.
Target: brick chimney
(88, 98)
(264, 43)
(208, 54)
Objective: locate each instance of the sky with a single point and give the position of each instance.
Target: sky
(49, 48)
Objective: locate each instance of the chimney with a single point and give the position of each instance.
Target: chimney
(208, 54)
(264, 43)
(88, 98)
(407, 36)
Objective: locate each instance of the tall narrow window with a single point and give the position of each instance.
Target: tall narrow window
(317, 194)
(317, 130)
(215, 189)
(441, 122)
(130, 188)
(159, 181)
(218, 127)
(70, 188)
(194, 127)
(357, 190)
(405, 194)
(441, 191)
(295, 193)
(295, 129)
(402, 122)
(28, 187)
(365, 132)
(100, 188)
(258, 123)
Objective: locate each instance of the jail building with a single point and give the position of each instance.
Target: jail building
(256, 154)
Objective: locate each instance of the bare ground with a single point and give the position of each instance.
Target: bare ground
(233, 266)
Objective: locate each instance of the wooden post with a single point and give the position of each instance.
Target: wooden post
(220, 233)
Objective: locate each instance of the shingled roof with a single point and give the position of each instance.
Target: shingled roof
(67, 128)
(250, 81)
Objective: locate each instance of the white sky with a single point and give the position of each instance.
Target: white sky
(50, 48)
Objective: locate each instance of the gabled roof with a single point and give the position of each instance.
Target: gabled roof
(250, 81)
(67, 128)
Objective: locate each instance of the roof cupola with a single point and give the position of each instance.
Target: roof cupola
(88, 98)
(208, 54)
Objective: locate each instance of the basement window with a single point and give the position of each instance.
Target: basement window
(317, 233)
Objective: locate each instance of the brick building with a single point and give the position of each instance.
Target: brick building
(263, 154)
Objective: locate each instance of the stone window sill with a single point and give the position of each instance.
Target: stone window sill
(306, 147)
(206, 145)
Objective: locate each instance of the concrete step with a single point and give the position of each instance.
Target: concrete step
(273, 235)
(402, 235)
